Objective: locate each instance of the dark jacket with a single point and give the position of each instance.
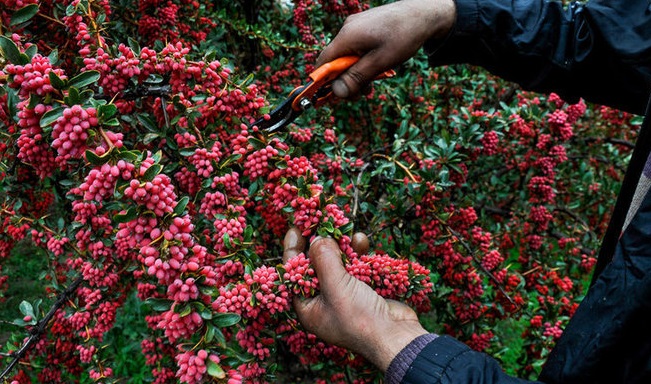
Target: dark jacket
(600, 51)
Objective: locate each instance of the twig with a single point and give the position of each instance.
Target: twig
(356, 193)
(494, 210)
(573, 216)
(249, 32)
(610, 140)
(146, 91)
(559, 236)
(163, 107)
(487, 272)
(37, 331)
(399, 164)
(52, 19)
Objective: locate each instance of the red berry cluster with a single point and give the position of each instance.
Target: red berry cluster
(70, 133)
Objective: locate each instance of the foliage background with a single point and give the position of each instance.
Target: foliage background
(470, 176)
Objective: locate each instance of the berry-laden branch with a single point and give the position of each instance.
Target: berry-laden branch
(471, 252)
(165, 193)
(39, 329)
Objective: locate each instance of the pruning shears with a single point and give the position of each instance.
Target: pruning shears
(314, 93)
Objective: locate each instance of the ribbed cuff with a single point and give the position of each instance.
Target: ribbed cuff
(400, 364)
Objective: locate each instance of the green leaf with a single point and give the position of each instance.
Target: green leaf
(129, 215)
(149, 137)
(71, 10)
(85, 78)
(183, 310)
(56, 81)
(24, 14)
(210, 333)
(73, 97)
(34, 100)
(154, 79)
(94, 159)
(185, 152)
(227, 241)
(51, 116)
(157, 156)
(636, 120)
(148, 123)
(53, 56)
(159, 304)
(347, 227)
(224, 320)
(26, 308)
(180, 207)
(85, 95)
(130, 156)
(248, 233)
(151, 172)
(31, 51)
(9, 50)
(204, 312)
(329, 226)
(133, 44)
(106, 111)
(112, 123)
(215, 370)
(230, 159)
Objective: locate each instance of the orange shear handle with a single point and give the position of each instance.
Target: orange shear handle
(325, 74)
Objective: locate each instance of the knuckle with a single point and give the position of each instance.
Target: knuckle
(357, 77)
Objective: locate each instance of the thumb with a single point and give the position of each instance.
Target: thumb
(325, 256)
(293, 244)
(359, 75)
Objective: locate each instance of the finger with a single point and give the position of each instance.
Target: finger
(343, 44)
(360, 243)
(325, 255)
(293, 244)
(310, 312)
(360, 75)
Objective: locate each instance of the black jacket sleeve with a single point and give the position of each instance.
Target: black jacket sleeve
(600, 51)
(448, 361)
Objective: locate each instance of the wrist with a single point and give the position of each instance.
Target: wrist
(392, 340)
(439, 16)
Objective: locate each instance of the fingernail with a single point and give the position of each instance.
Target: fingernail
(315, 239)
(340, 89)
(294, 240)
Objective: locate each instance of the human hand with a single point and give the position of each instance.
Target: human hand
(384, 37)
(347, 312)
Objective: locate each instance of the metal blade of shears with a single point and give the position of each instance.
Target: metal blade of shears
(281, 116)
(316, 92)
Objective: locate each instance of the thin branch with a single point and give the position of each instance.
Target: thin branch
(559, 236)
(399, 164)
(494, 210)
(468, 249)
(356, 189)
(144, 91)
(610, 140)
(573, 216)
(39, 329)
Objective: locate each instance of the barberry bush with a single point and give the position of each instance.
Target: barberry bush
(127, 155)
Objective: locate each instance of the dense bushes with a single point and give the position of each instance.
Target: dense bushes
(127, 154)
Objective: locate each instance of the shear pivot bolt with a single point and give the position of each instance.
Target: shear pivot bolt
(305, 103)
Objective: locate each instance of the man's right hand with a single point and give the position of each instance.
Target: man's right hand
(384, 37)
